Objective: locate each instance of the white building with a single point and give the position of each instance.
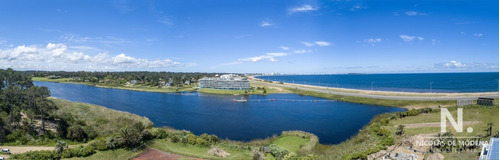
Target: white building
(227, 81)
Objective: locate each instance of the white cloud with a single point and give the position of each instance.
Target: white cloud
(57, 49)
(269, 56)
(319, 43)
(22, 52)
(478, 34)
(258, 58)
(308, 44)
(277, 54)
(435, 42)
(107, 40)
(408, 38)
(285, 48)
(322, 43)
(266, 23)
(122, 58)
(303, 8)
(166, 20)
(57, 56)
(301, 51)
(415, 13)
(356, 8)
(455, 65)
(372, 41)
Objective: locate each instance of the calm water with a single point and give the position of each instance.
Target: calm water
(333, 122)
(441, 82)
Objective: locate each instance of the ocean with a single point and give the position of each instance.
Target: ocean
(414, 82)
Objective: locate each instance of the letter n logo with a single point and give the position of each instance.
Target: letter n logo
(457, 125)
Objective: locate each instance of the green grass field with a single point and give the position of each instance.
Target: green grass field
(291, 143)
(62, 80)
(104, 121)
(483, 114)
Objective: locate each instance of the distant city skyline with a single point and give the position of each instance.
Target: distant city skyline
(307, 36)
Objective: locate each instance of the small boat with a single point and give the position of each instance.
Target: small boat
(240, 100)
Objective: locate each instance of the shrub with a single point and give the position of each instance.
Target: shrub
(201, 142)
(18, 136)
(129, 137)
(175, 139)
(191, 138)
(385, 121)
(37, 155)
(277, 151)
(76, 133)
(158, 133)
(101, 145)
(111, 143)
(400, 130)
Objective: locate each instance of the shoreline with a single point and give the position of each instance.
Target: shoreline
(380, 94)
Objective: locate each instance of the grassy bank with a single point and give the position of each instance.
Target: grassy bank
(105, 121)
(138, 87)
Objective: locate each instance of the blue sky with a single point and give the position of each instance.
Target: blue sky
(306, 36)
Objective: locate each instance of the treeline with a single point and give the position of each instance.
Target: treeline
(142, 77)
(21, 103)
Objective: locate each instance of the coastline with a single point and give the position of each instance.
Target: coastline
(382, 93)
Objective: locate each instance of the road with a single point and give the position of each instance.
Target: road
(418, 98)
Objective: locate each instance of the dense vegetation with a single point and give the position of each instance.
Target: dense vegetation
(153, 79)
(22, 106)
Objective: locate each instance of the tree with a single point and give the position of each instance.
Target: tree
(62, 128)
(111, 143)
(400, 130)
(3, 134)
(76, 132)
(60, 146)
(129, 137)
(489, 128)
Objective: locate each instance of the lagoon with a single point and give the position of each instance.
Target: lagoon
(333, 122)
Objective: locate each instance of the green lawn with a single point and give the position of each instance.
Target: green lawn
(51, 80)
(291, 143)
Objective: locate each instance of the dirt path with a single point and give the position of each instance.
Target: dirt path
(154, 154)
(435, 124)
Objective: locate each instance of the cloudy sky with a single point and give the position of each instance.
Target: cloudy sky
(307, 36)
